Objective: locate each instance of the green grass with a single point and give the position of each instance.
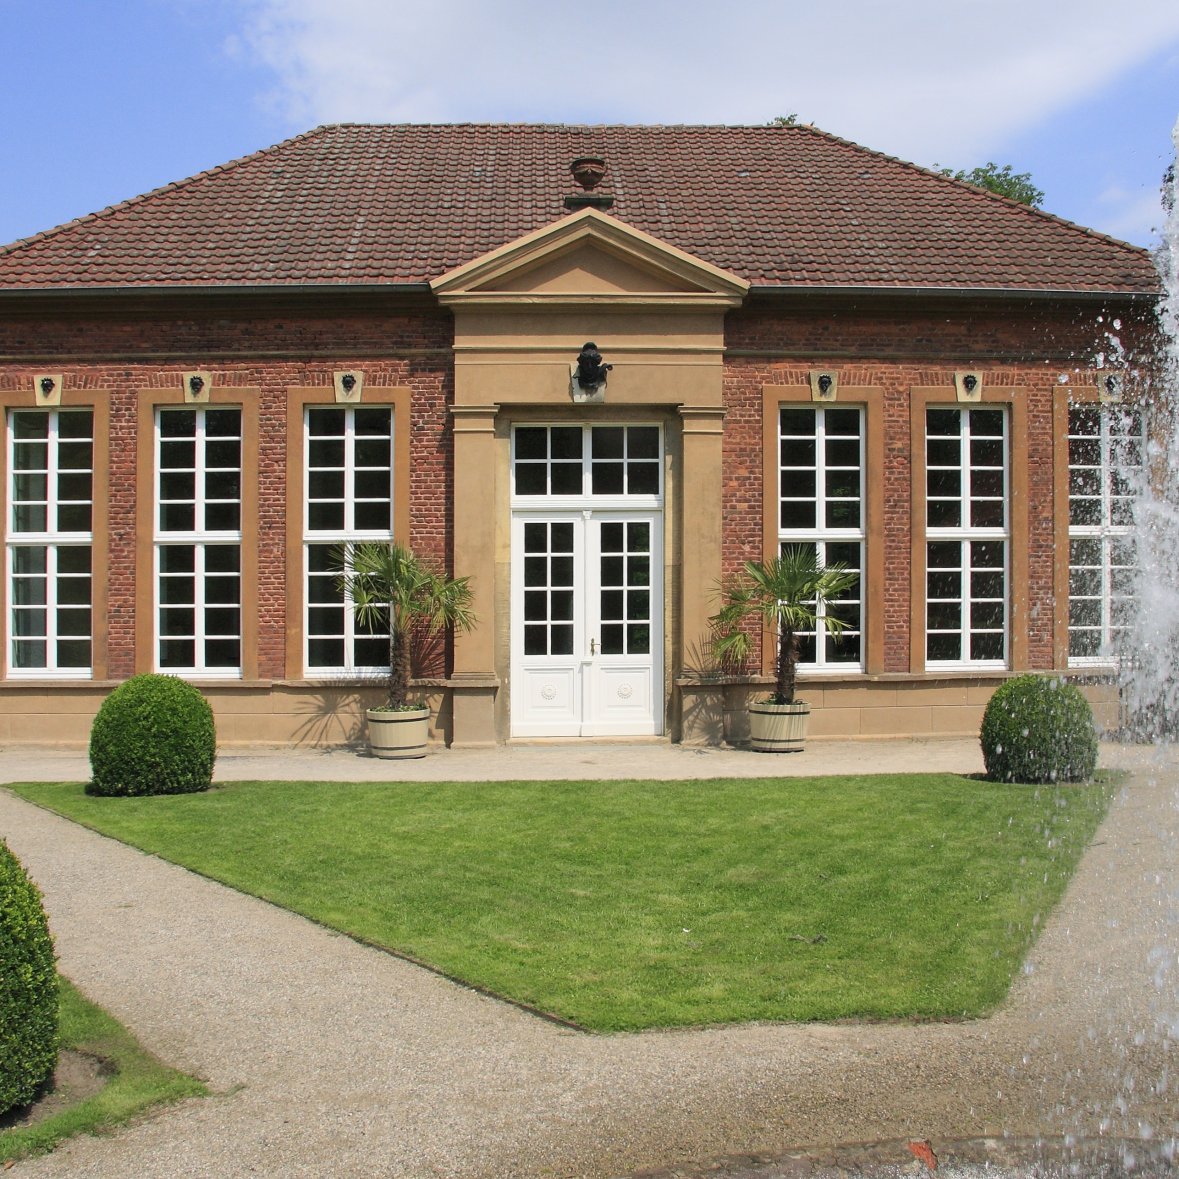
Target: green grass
(625, 905)
(137, 1082)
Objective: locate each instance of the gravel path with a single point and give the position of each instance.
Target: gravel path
(332, 1059)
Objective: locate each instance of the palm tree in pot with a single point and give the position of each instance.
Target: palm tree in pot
(788, 594)
(392, 590)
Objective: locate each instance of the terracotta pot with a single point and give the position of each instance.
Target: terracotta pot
(398, 734)
(778, 728)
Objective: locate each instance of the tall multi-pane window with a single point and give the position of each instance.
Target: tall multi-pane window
(821, 507)
(49, 543)
(967, 540)
(198, 541)
(1106, 452)
(349, 497)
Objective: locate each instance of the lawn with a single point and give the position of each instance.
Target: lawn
(137, 1081)
(636, 904)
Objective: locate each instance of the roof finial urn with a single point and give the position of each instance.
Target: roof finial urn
(588, 171)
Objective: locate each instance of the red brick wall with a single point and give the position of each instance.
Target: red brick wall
(121, 501)
(896, 349)
(128, 348)
(268, 353)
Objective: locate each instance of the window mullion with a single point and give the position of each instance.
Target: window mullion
(199, 488)
(967, 516)
(200, 605)
(51, 466)
(51, 629)
(349, 472)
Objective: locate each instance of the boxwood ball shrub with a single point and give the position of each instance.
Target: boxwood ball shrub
(1039, 729)
(153, 734)
(28, 988)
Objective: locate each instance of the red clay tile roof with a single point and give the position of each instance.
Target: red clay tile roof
(356, 205)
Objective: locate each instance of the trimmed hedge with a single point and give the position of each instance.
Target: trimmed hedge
(28, 988)
(153, 734)
(1038, 729)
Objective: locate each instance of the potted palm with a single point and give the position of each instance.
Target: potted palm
(787, 594)
(393, 589)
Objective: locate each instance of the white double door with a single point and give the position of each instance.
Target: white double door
(587, 623)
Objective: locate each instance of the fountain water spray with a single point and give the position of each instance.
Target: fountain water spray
(1150, 676)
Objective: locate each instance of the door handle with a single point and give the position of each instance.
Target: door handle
(593, 646)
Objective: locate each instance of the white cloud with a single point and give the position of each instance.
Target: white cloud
(924, 79)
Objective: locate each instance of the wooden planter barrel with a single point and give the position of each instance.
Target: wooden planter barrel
(398, 734)
(778, 728)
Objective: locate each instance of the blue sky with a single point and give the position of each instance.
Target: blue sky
(102, 102)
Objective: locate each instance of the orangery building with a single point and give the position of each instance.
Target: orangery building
(594, 369)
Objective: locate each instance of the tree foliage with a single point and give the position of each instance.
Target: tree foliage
(28, 987)
(786, 594)
(154, 734)
(1003, 180)
(1038, 729)
(393, 591)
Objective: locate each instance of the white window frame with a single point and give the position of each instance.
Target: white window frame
(53, 540)
(821, 536)
(585, 497)
(334, 537)
(200, 539)
(1105, 533)
(967, 535)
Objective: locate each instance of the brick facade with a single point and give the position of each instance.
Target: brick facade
(896, 349)
(129, 349)
(125, 356)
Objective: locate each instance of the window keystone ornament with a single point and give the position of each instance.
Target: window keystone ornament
(349, 386)
(824, 385)
(1109, 387)
(197, 387)
(47, 388)
(969, 385)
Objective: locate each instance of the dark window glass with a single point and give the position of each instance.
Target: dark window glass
(562, 640)
(566, 479)
(608, 479)
(943, 647)
(607, 442)
(532, 442)
(796, 421)
(798, 452)
(643, 478)
(943, 422)
(613, 639)
(643, 442)
(326, 452)
(530, 478)
(325, 652)
(565, 442)
(327, 423)
(178, 423)
(986, 645)
(797, 514)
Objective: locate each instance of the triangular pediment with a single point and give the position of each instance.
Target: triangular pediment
(589, 257)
